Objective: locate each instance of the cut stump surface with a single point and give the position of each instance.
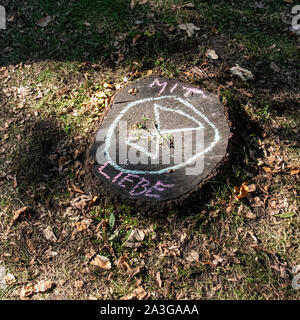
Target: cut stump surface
(160, 140)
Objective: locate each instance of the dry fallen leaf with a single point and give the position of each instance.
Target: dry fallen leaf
(217, 259)
(193, 256)
(79, 284)
(267, 169)
(229, 207)
(18, 214)
(49, 235)
(100, 94)
(294, 172)
(134, 271)
(80, 202)
(136, 38)
(188, 5)
(150, 15)
(122, 264)
(251, 187)
(148, 33)
(138, 294)
(44, 21)
(109, 86)
(132, 5)
(249, 214)
(158, 279)
(62, 161)
(27, 290)
(133, 91)
(76, 189)
(80, 226)
(211, 54)
(101, 262)
(244, 74)
(92, 202)
(135, 238)
(43, 286)
(189, 28)
(188, 74)
(183, 236)
(23, 92)
(50, 254)
(241, 192)
(10, 279)
(121, 57)
(31, 246)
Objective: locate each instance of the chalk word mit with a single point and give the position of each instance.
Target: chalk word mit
(189, 91)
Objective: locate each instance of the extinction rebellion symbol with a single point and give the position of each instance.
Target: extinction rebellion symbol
(161, 142)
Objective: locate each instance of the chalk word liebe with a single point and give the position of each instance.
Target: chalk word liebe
(189, 91)
(141, 186)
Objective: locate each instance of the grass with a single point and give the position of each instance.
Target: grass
(73, 68)
(95, 22)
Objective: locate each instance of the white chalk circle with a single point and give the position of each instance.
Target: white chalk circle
(190, 161)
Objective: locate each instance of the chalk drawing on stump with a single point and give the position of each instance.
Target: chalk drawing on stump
(166, 119)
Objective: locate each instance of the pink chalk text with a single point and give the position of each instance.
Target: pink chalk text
(188, 91)
(138, 184)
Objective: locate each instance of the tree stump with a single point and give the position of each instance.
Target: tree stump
(160, 141)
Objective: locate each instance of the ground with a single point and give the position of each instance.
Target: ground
(60, 64)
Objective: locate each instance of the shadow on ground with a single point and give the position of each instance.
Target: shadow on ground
(86, 30)
(36, 158)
